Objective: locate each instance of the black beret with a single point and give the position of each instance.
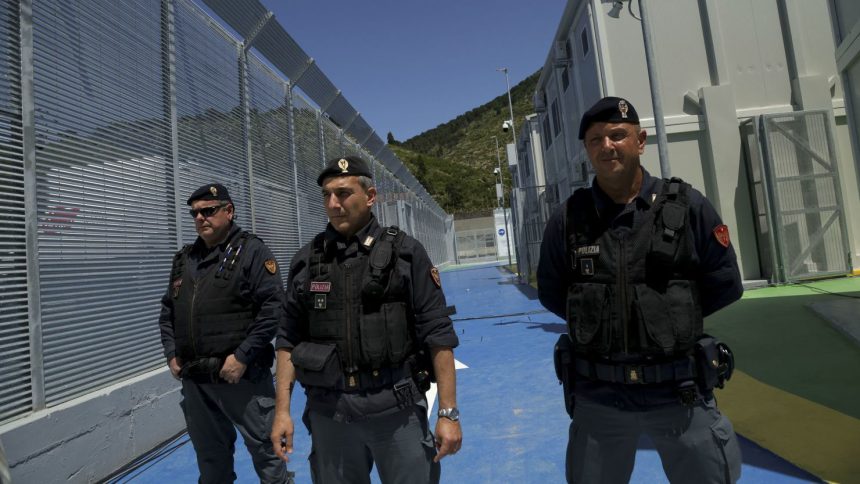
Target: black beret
(608, 110)
(211, 191)
(346, 166)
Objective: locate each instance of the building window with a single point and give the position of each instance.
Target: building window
(584, 37)
(565, 78)
(556, 119)
(547, 135)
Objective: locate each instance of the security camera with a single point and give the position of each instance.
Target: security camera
(506, 125)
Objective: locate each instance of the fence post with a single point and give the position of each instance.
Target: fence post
(31, 215)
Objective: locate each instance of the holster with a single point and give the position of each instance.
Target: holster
(715, 362)
(422, 369)
(564, 369)
(203, 370)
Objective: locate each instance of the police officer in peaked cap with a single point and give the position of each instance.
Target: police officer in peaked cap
(218, 317)
(366, 329)
(633, 264)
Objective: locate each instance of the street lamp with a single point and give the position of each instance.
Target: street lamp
(500, 195)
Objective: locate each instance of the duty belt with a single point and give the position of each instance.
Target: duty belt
(633, 374)
(371, 379)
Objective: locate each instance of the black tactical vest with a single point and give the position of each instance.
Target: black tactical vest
(210, 318)
(632, 295)
(360, 305)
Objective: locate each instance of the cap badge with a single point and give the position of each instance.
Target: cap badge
(213, 191)
(343, 164)
(622, 108)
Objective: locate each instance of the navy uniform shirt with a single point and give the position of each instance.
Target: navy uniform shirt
(718, 277)
(423, 297)
(264, 289)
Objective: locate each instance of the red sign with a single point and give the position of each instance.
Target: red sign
(317, 286)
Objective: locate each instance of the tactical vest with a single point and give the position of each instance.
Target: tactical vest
(210, 318)
(632, 295)
(360, 305)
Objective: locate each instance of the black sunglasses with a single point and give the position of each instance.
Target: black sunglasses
(205, 211)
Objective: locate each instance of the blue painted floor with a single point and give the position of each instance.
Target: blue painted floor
(514, 423)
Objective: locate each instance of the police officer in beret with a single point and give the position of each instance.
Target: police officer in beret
(218, 317)
(633, 264)
(366, 325)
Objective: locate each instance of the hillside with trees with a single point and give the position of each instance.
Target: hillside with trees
(455, 160)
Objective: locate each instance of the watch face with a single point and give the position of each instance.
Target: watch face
(450, 413)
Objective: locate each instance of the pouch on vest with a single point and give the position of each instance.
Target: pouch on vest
(385, 335)
(669, 249)
(589, 308)
(671, 316)
(317, 365)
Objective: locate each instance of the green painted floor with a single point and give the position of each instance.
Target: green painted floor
(797, 389)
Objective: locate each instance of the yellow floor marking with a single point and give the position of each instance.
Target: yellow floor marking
(809, 435)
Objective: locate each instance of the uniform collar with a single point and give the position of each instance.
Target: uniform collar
(646, 192)
(333, 238)
(200, 246)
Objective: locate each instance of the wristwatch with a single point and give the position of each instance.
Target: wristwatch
(451, 414)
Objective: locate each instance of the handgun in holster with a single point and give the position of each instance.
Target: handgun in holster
(422, 369)
(564, 369)
(203, 370)
(715, 362)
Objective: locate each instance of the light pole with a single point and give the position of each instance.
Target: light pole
(510, 105)
(500, 195)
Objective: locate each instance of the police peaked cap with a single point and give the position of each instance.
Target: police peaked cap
(345, 166)
(608, 110)
(211, 191)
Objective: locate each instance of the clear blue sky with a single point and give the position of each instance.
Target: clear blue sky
(410, 65)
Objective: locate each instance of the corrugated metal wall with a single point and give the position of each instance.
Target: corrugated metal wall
(133, 105)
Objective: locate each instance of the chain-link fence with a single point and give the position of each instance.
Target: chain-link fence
(111, 113)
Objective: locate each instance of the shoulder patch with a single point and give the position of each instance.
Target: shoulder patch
(437, 279)
(721, 233)
(271, 266)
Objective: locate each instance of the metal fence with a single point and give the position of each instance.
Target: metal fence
(111, 113)
(531, 208)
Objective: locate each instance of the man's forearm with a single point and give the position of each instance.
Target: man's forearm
(446, 379)
(285, 378)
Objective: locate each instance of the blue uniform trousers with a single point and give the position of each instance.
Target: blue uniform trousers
(696, 444)
(400, 444)
(211, 412)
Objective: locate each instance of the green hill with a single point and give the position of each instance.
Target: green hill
(455, 160)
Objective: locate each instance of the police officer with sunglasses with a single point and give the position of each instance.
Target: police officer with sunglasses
(218, 316)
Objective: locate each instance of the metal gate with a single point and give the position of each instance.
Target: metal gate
(791, 161)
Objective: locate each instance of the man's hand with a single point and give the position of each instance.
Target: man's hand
(232, 370)
(449, 438)
(282, 436)
(175, 365)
